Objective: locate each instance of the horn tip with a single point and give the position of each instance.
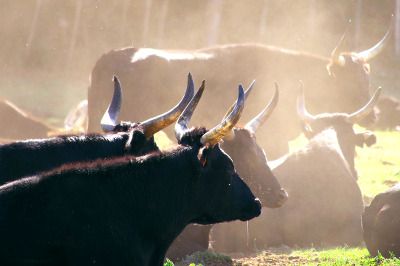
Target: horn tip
(190, 79)
(116, 80)
(241, 91)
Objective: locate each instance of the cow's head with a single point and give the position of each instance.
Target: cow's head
(140, 135)
(350, 72)
(342, 123)
(224, 196)
(250, 159)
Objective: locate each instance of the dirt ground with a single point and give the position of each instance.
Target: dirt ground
(279, 256)
(270, 258)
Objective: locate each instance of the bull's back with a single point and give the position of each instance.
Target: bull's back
(154, 84)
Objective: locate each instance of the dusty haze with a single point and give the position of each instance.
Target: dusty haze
(49, 47)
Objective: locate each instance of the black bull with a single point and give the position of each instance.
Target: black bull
(107, 212)
(339, 83)
(123, 212)
(30, 157)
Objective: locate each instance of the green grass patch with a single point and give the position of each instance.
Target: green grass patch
(344, 256)
(378, 166)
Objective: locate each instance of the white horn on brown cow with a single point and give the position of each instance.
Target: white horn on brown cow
(181, 125)
(157, 123)
(214, 135)
(110, 117)
(335, 54)
(301, 107)
(263, 116)
(366, 109)
(370, 53)
(246, 94)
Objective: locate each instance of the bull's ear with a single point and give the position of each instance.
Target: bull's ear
(136, 138)
(368, 138)
(307, 130)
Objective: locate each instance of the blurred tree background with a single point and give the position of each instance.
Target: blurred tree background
(49, 47)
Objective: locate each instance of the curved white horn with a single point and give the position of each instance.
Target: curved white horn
(246, 94)
(157, 123)
(366, 109)
(110, 117)
(301, 107)
(263, 116)
(181, 125)
(370, 53)
(335, 54)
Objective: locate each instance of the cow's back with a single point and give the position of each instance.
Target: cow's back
(381, 222)
(324, 205)
(153, 84)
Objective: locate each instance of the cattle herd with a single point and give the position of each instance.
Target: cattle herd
(111, 196)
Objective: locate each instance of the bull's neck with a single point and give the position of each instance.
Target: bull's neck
(167, 182)
(163, 194)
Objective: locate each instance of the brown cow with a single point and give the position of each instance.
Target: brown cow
(381, 223)
(251, 164)
(388, 115)
(344, 77)
(325, 203)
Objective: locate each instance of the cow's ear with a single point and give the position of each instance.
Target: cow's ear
(307, 130)
(136, 138)
(368, 138)
(367, 68)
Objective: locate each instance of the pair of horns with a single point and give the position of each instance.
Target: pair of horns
(353, 118)
(263, 116)
(152, 125)
(365, 55)
(214, 135)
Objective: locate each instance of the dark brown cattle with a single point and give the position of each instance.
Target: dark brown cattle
(388, 115)
(344, 77)
(325, 203)
(19, 124)
(251, 163)
(381, 223)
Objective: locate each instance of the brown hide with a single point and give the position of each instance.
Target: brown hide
(157, 81)
(251, 164)
(388, 115)
(324, 205)
(381, 223)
